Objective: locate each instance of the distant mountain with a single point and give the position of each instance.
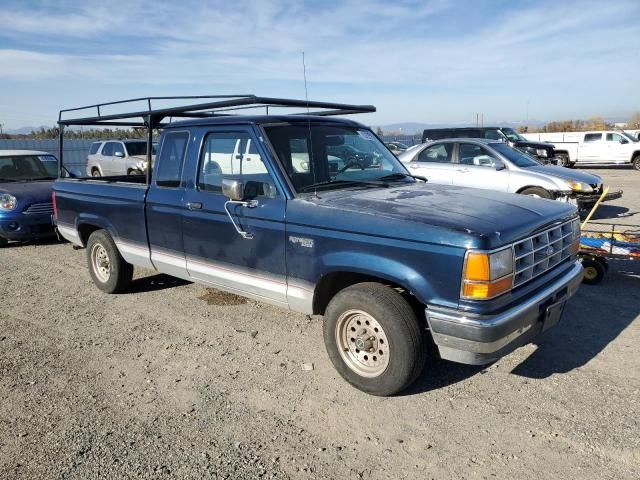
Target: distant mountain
(25, 130)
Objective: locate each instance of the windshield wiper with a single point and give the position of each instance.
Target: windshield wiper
(345, 182)
(399, 175)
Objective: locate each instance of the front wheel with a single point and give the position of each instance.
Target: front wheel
(537, 192)
(108, 270)
(636, 162)
(563, 160)
(374, 339)
(134, 171)
(3, 242)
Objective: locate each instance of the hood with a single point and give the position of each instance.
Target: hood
(565, 173)
(27, 193)
(440, 214)
(540, 145)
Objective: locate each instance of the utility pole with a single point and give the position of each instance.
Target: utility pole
(1, 125)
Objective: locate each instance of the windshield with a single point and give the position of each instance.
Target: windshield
(516, 157)
(27, 167)
(512, 135)
(341, 156)
(630, 137)
(139, 148)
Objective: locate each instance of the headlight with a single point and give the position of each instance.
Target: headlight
(541, 152)
(487, 275)
(7, 202)
(304, 165)
(578, 186)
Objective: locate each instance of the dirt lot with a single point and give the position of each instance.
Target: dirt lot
(174, 380)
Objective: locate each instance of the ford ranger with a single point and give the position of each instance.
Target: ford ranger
(392, 262)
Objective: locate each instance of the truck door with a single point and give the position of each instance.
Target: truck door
(237, 248)
(617, 151)
(165, 206)
(592, 149)
(478, 167)
(435, 163)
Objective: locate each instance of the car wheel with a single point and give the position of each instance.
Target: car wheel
(134, 171)
(374, 339)
(563, 160)
(3, 242)
(108, 270)
(636, 162)
(593, 271)
(537, 192)
(95, 173)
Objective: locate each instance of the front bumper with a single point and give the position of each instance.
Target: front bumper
(480, 339)
(21, 227)
(591, 198)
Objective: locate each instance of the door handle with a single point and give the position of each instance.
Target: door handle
(462, 170)
(194, 205)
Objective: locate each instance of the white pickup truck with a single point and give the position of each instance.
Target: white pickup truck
(607, 147)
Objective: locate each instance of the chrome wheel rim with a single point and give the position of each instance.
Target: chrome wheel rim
(100, 262)
(362, 343)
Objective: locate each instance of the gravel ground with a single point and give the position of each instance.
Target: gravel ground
(175, 380)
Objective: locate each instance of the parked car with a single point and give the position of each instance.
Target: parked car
(26, 181)
(494, 165)
(118, 157)
(397, 147)
(388, 259)
(544, 152)
(612, 147)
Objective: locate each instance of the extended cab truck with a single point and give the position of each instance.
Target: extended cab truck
(593, 148)
(388, 259)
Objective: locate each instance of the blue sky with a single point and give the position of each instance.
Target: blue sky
(428, 61)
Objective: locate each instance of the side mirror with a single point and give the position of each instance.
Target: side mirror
(118, 154)
(624, 140)
(233, 189)
(500, 166)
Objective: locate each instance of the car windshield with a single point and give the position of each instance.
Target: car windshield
(630, 137)
(139, 148)
(333, 157)
(515, 156)
(23, 167)
(512, 135)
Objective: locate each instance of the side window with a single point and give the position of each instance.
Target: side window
(614, 137)
(174, 147)
(492, 134)
(440, 153)
(118, 148)
(234, 155)
(107, 150)
(94, 148)
(476, 155)
(592, 137)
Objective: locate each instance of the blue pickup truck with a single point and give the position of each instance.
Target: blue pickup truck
(263, 206)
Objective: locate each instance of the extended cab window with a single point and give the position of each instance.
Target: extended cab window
(174, 147)
(234, 155)
(592, 137)
(440, 153)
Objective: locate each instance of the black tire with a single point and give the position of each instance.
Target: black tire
(112, 274)
(636, 162)
(593, 271)
(537, 192)
(134, 171)
(405, 338)
(95, 173)
(3, 242)
(563, 160)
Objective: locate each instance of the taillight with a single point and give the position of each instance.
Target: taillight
(55, 207)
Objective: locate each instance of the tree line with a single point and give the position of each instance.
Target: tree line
(593, 123)
(75, 133)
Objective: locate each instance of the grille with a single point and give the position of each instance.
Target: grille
(542, 252)
(39, 208)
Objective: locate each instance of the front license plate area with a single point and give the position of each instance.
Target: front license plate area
(552, 315)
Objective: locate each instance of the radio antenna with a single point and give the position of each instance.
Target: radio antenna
(312, 166)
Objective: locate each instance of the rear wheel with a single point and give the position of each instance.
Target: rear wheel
(636, 162)
(3, 242)
(95, 173)
(108, 269)
(134, 171)
(563, 160)
(374, 339)
(593, 271)
(537, 192)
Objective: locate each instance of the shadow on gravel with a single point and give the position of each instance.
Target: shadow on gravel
(154, 283)
(612, 211)
(441, 373)
(52, 240)
(593, 319)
